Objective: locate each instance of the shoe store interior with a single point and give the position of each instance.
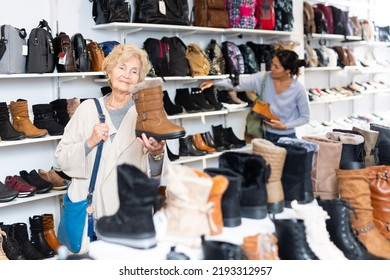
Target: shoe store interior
(191, 166)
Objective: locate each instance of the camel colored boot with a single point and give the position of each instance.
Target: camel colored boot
(152, 119)
(275, 157)
(370, 139)
(48, 231)
(262, 110)
(380, 198)
(325, 162)
(21, 120)
(355, 189)
(261, 246)
(187, 211)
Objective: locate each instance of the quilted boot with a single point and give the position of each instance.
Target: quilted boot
(255, 171)
(380, 198)
(231, 197)
(382, 147)
(370, 139)
(38, 238)
(314, 217)
(220, 184)
(152, 119)
(43, 118)
(71, 105)
(275, 157)
(340, 230)
(292, 241)
(355, 189)
(7, 131)
(28, 249)
(60, 113)
(10, 246)
(132, 225)
(21, 120)
(296, 176)
(325, 162)
(49, 233)
(261, 246)
(3, 235)
(187, 210)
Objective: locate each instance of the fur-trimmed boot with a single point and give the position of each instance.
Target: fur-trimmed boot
(296, 176)
(370, 139)
(275, 157)
(325, 162)
(152, 119)
(261, 246)
(355, 189)
(382, 147)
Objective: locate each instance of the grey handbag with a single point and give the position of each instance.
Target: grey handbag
(13, 42)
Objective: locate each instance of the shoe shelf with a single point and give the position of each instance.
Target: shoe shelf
(336, 68)
(335, 100)
(51, 75)
(5, 143)
(334, 37)
(202, 115)
(35, 197)
(178, 78)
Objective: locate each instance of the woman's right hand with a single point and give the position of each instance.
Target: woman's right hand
(206, 84)
(99, 132)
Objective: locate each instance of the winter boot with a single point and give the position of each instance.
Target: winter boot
(211, 96)
(325, 162)
(382, 147)
(169, 107)
(275, 157)
(220, 138)
(11, 247)
(292, 241)
(60, 113)
(231, 197)
(233, 139)
(370, 139)
(152, 119)
(71, 105)
(255, 172)
(340, 230)
(187, 148)
(183, 99)
(21, 120)
(28, 249)
(49, 233)
(7, 131)
(3, 256)
(43, 118)
(221, 250)
(201, 145)
(38, 238)
(262, 110)
(220, 184)
(314, 219)
(261, 246)
(132, 225)
(296, 176)
(355, 189)
(187, 210)
(380, 197)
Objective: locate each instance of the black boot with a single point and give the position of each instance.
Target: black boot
(169, 107)
(220, 250)
(233, 139)
(340, 230)
(183, 99)
(28, 249)
(292, 240)
(60, 113)
(209, 140)
(198, 98)
(382, 147)
(187, 148)
(43, 118)
(10, 246)
(35, 180)
(132, 225)
(172, 156)
(220, 137)
(211, 96)
(255, 171)
(231, 197)
(38, 238)
(7, 131)
(296, 176)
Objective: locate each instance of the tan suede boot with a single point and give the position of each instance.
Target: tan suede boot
(21, 120)
(275, 157)
(370, 139)
(49, 233)
(262, 109)
(152, 119)
(380, 198)
(326, 161)
(355, 188)
(261, 246)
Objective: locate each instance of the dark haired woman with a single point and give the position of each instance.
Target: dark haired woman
(285, 94)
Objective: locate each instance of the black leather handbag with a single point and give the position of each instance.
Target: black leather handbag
(162, 12)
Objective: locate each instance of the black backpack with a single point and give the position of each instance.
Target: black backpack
(178, 63)
(158, 53)
(81, 55)
(105, 11)
(41, 57)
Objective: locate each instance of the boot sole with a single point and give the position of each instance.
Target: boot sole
(254, 212)
(275, 207)
(146, 243)
(232, 222)
(9, 198)
(159, 137)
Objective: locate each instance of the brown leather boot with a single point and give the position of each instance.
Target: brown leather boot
(21, 120)
(370, 139)
(380, 198)
(152, 119)
(275, 157)
(56, 180)
(355, 188)
(263, 111)
(48, 231)
(200, 144)
(261, 246)
(326, 161)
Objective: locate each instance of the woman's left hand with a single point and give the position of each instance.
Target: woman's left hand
(155, 147)
(276, 124)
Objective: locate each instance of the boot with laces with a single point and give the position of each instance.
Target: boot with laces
(10, 246)
(20, 233)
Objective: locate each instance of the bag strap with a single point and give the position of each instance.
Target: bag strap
(263, 85)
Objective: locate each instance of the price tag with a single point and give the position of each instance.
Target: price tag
(62, 58)
(161, 7)
(24, 50)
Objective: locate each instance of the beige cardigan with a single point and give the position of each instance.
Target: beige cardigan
(70, 156)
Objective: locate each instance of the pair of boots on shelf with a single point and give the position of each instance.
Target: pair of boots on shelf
(43, 243)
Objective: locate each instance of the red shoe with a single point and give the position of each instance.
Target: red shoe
(18, 184)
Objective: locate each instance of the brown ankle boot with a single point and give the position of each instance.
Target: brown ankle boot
(21, 120)
(200, 144)
(261, 246)
(48, 231)
(262, 110)
(152, 119)
(380, 198)
(355, 188)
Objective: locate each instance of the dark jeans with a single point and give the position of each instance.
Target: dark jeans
(275, 137)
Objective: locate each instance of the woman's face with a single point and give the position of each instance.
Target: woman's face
(277, 69)
(125, 74)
